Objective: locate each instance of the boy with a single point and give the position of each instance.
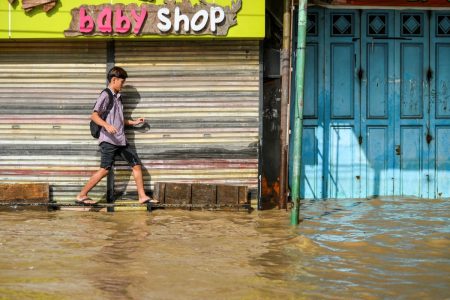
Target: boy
(112, 138)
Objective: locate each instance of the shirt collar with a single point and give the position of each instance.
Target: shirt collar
(116, 95)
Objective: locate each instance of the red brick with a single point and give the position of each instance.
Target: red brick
(227, 195)
(203, 194)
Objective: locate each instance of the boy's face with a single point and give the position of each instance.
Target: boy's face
(117, 84)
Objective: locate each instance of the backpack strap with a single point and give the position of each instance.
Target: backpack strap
(110, 103)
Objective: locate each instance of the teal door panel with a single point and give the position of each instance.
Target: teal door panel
(377, 83)
(441, 90)
(377, 103)
(411, 81)
(342, 93)
(343, 181)
(411, 161)
(311, 174)
(377, 175)
(342, 171)
(311, 91)
(439, 127)
(311, 166)
(442, 162)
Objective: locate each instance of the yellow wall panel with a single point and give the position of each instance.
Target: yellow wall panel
(4, 19)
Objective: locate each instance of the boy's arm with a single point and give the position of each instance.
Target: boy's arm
(99, 121)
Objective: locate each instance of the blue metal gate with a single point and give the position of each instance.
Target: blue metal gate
(377, 104)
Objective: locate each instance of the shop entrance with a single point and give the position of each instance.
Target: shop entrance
(377, 104)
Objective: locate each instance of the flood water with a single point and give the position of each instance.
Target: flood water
(343, 249)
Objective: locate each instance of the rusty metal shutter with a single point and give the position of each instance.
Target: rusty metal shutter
(47, 90)
(201, 100)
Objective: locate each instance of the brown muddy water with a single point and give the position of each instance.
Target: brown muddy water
(343, 249)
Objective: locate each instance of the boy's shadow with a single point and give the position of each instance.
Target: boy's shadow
(131, 98)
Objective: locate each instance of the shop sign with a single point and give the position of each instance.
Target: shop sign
(149, 19)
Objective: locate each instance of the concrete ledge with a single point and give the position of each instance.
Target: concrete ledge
(200, 194)
(25, 192)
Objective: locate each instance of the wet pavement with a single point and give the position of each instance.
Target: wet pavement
(392, 248)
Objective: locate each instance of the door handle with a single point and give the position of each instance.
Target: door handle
(429, 138)
(398, 150)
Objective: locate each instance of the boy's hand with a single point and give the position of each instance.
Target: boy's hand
(138, 121)
(111, 129)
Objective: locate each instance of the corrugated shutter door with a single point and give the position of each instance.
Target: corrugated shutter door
(47, 90)
(201, 101)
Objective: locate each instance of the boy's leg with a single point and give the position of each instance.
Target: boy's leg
(132, 158)
(107, 160)
(91, 183)
(138, 178)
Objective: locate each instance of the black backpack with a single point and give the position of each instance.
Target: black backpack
(95, 129)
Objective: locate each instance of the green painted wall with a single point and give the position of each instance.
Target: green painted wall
(15, 23)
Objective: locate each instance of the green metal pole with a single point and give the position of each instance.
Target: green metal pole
(298, 113)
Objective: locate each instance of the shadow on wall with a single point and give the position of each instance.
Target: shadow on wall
(131, 99)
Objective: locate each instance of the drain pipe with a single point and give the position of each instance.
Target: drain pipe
(298, 112)
(285, 80)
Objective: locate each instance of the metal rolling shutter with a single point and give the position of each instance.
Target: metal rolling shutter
(47, 90)
(201, 100)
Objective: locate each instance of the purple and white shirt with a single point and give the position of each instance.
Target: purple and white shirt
(115, 118)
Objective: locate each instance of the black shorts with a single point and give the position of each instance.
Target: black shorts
(109, 151)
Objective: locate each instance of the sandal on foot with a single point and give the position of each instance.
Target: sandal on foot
(150, 200)
(85, 201)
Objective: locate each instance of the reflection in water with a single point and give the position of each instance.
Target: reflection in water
(359, 249)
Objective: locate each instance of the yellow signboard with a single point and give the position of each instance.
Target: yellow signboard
(167, 19)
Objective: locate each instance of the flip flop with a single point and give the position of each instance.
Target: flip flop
(152, 201)
(83, 201)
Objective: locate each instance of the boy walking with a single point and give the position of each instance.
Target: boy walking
(112, 140)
